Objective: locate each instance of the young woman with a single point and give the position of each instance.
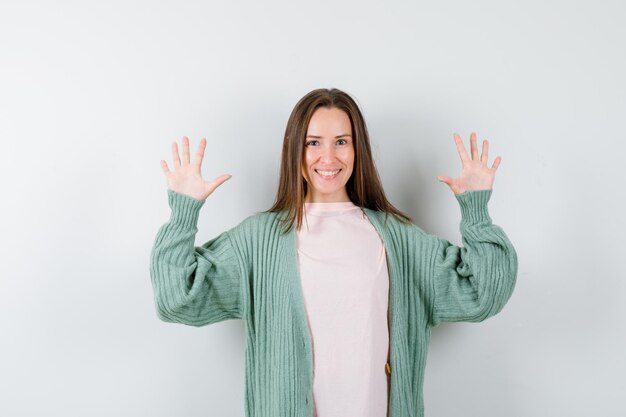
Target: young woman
(338, 289)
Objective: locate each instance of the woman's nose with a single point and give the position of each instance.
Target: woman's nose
(328, 153)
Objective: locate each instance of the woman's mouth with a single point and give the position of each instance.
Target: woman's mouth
(328, 175)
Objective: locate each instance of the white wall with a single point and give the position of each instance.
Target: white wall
(92, 95)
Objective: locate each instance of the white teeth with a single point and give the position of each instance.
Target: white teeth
(327, 173)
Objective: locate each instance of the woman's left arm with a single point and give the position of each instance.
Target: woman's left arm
(473, 282)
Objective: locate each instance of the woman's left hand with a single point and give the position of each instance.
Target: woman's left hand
(475, 175)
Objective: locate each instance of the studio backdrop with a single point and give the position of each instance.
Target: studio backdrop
(92, 95)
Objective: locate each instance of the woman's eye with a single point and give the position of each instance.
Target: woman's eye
(342, 140)
(309, 142)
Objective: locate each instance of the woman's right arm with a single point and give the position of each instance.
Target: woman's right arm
(193, 285)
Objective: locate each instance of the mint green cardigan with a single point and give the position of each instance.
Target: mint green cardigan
(250, 272)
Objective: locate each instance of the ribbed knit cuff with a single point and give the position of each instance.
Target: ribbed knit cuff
(185, 209)
(474, 206)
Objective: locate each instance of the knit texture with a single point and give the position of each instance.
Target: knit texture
(250, 272)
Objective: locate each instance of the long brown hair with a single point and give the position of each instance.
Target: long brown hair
(363, 187)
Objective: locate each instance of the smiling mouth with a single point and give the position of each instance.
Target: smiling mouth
(328, 174)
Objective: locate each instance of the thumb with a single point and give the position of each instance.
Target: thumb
(447, 180)
(221, 179)
(444, 179)
(213, 185)
(450, 182)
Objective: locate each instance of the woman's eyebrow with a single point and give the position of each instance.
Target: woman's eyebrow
(319, 137)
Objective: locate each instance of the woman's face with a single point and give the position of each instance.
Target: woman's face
(328, 146)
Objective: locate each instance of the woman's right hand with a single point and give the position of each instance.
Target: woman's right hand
(186, 178)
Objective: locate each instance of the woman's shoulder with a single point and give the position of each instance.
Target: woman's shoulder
(258, 221)
(393, 224)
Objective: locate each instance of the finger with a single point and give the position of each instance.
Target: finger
(164, 166)
(222, 179)
(197, 160)
(185, 150)
(218, 181)
(485, 154)
(444, 179)
(448, 181)
(496, 163)
(175, 156)
(460, 148)
(473, 146)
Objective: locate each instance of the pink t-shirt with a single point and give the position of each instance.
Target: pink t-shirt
(345, 285)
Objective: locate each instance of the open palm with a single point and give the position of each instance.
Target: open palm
(475, 174)
(186, 177)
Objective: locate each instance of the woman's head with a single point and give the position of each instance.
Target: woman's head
(327, 116)
(328, 159)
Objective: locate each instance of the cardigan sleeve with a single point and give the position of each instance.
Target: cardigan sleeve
(193, 285)
(473, 282)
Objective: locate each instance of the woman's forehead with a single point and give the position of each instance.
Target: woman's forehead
(329, 123)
